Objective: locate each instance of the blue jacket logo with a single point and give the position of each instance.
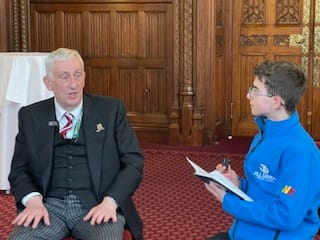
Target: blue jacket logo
(263, 174)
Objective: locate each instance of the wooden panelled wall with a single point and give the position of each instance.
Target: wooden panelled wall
(3, 26)
(164, 59)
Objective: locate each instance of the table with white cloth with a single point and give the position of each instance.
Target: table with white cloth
(21, 84)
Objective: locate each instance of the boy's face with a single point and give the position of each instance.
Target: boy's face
(261, 103)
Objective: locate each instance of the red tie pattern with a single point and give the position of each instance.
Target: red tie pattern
(63, 131)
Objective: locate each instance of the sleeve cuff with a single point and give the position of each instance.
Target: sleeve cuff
(30, 195)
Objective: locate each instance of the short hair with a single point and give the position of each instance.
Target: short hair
(60, 54)
(284, 79)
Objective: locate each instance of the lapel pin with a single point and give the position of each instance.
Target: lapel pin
(99, 127)
(52, 123)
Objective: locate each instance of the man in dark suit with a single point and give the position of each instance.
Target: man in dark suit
(76, 162)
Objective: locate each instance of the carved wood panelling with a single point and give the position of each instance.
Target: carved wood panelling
(19, 21)
(72, 30)
(220, 13)
(45, 40)
(175, 55)
(316, 42)
(100, 26)
(254, 12)
(295, 59)
(281, 40)
(254, 40)
(247, 64)
(129, 86)
(219, 88)
(98, 80)
(315, 115)
(316, 74)
(220, 44)
(3, 26)
(158, 56)
(127, 49)
(186, 85)
(156, 27)
(220, 26)
(288, 27)
(187, 27)
(128, 36)
(175, 113)
(288, 12)
(156, 91)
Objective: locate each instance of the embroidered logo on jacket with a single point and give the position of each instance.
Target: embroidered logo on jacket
(288, 190)
(263, 174)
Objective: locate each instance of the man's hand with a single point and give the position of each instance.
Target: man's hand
(105, 211)
(34, 212)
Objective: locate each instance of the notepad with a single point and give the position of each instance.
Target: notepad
(217, 177)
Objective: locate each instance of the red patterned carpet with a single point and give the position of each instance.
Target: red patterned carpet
(7, 213)
(173, 203)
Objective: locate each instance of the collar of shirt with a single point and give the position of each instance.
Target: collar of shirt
(76, 112)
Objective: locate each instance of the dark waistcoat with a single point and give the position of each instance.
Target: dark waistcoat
(70, 171)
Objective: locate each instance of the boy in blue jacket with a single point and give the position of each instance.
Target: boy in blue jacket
(281, 167)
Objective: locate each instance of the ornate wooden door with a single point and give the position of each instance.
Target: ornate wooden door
(275, 30)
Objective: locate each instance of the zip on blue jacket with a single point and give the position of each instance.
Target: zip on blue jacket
(282, 175)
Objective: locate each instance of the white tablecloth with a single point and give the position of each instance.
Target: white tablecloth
(20, 84)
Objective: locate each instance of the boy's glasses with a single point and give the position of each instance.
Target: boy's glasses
(255, 91)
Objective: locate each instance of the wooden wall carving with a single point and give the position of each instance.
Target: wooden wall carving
(200, 107)
(3, 25)
(288, 12)
(254, 40)
(253, 12)
(289, 30)
(182, 110)
(281, 40)
(18, 15)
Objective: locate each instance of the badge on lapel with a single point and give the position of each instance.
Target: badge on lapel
(99, 127)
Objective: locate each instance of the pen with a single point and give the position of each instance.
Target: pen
(226, 162)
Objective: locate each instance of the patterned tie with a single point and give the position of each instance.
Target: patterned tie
(63, 131)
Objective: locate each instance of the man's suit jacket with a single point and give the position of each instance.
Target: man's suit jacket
(114, 158)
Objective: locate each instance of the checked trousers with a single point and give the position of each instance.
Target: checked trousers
(66, 219)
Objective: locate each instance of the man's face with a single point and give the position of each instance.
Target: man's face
(67, 82)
